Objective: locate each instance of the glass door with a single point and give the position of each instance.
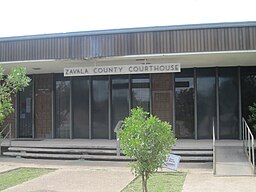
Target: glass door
(120, 101)
(100, 107)
(25, 128)
(206, 102)
(140, 91)
(184, 104)
(62, 107)
(80, 102)
(228, 98)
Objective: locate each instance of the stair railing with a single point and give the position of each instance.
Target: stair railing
(214, 147)
(116, 130)
(8, 134)
(248, 144)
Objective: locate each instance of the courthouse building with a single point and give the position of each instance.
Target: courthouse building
(83, 83)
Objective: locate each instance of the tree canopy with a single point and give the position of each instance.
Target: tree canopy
(10, 85)
(148, 140)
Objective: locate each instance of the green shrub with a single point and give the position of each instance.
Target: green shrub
(148, 140)
(252, 117)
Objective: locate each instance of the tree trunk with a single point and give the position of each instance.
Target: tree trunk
(143, 184)
(146, 183)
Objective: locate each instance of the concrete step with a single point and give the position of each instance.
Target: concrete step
(98, 151)
(106, 154)
(66, 156)
(92, 151)
(191, 149)
(63, 146)
(94, 157)
(196, 159)
(193, 153)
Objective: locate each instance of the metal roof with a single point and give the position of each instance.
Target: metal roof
(133, 30)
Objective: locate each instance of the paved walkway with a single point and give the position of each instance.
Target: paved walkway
(77, 180)
(6, 168)
(76, 176)
(89, 176)
(203, 180)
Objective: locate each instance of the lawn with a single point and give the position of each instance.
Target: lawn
(20, 175)
(159, 182)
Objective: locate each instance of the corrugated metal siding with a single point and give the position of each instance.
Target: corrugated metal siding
(135, 43)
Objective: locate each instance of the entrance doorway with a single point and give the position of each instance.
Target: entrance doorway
(25, 122)
(43, 105)
(162, 96)
(100, 107)
(184, 104)
(80, 106)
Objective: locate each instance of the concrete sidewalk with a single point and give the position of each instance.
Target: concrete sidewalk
(77, 180)
(78, 177)
(93, 176)
(199, 180)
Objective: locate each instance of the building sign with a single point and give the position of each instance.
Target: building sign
(173, 162)
(122, 69)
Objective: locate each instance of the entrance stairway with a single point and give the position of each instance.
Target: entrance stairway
(99, 153)
(88, 153)
(194, 155)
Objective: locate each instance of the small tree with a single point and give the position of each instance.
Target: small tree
(148, 140)
(10, 85)
(252, 117)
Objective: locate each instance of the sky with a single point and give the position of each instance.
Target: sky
(31, 17)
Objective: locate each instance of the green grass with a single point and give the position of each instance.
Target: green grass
(20, 175)
(159, 182)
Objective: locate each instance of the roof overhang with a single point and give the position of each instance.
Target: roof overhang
(186, 60)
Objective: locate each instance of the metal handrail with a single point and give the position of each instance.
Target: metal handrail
(214, 147)
(9, 133)
(116, 130)
(248, 144)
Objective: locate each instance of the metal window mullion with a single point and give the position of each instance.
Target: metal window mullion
(33, 107)
(17, 115)
(240, 103)
(173, 105)
(217, 104)
(130, 94)
(109, 107)
(150, 94)
(53, 106)
(195, 104)
(71, 108)
(90, 107)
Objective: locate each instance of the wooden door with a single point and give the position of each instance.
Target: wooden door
(162, 96)
(43, 105)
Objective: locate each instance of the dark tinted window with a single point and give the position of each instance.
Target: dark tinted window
(206, 102)
(62, 107)
(25, 112)
(228, 100)
(184, 104)
(120, 100)
(141, 91)
(100, 108)
(80, 101)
